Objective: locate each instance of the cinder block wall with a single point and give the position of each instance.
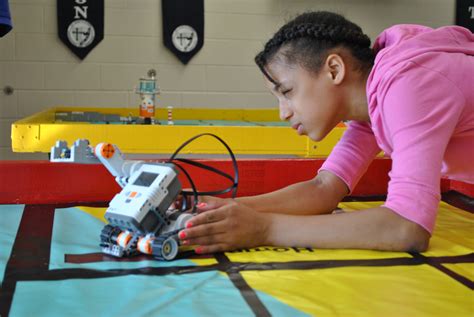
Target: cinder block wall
(44, 73)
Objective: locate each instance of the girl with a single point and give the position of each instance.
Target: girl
(411, 96)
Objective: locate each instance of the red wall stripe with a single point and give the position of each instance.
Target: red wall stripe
(42, 182)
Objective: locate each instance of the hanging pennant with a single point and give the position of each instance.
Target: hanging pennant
(81, 24)
(465, 14)
(183, 27)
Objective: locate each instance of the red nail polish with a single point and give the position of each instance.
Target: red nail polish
(182, 235)
(201, 205)
(189, 224)
(198, 250)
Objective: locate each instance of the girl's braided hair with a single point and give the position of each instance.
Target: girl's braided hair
(307, 38)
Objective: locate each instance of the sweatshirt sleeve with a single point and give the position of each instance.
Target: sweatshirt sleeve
(420, 109)
(353, 154)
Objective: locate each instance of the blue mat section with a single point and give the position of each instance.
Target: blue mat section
(199, 294)
(10, 218)
(76, 232)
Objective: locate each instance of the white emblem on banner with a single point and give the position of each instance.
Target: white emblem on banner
(80, 33)
(184, 38)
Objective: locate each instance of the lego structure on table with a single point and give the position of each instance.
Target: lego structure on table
(249, 131)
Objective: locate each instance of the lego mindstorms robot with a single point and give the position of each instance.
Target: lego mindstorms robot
(140, 218)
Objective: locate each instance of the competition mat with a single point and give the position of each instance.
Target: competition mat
(51, 265)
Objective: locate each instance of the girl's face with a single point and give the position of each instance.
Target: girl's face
(311, 103)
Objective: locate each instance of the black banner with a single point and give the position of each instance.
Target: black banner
(81, 24)
(183, 27)
(465, 14)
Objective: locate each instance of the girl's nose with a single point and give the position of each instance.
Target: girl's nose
(285, 112)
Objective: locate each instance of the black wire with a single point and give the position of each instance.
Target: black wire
(201, 165)
(234, 161)
(235, 179)
(215, 170)
(185, 204)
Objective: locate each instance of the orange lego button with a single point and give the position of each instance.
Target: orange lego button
(107, 150)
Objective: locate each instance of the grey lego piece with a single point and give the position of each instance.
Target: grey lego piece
(94, 117)
(113, 250)
(80, 152)
(155, 221)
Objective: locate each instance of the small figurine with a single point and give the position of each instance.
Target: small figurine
(148, 89)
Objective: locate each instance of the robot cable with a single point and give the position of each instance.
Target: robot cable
(195, 193)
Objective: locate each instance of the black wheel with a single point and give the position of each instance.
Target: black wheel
(166, 246)
(169, 249)
(109, 234)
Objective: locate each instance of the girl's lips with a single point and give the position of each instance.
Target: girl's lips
(300, 129)
(295, 126)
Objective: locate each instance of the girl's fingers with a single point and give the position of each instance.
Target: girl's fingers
(203, 249)
(202, 230)
(211, 203)
(207, 217)
(206, 240)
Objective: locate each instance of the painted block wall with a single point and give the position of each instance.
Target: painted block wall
(44, 73)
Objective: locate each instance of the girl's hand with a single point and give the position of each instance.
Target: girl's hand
(178, 203)
(223, 225)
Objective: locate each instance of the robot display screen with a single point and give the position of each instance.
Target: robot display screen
(145, 179)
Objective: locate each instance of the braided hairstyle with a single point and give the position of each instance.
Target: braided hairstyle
(307, 39)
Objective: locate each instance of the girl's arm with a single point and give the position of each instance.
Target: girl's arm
(377, 229)
(316, 196)
(235, 225)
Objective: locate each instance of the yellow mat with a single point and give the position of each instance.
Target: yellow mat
(367, 283)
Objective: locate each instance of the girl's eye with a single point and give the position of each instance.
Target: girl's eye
(285, 92)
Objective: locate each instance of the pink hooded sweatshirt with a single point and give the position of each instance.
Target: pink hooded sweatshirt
(420, 96)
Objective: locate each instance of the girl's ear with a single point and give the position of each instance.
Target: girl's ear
(336, 68)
